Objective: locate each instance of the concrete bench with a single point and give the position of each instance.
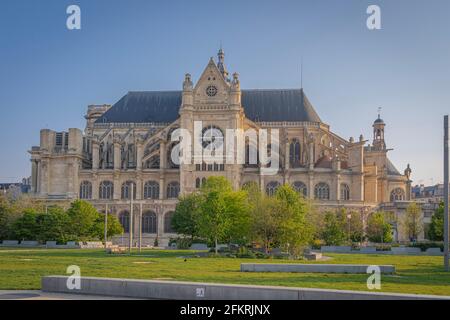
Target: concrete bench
(312, 268)
(336, 249)
(177, 290)
(313, 256)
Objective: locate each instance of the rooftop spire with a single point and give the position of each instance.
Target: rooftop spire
(221, 63)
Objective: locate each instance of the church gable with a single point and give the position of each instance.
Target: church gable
(211, 88)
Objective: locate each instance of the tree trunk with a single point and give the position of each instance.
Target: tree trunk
(216, 249)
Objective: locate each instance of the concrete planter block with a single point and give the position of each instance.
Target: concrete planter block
(51, 244)
(434, 251)
(10, 243)
(406, 250)
(313, 268)
(199, 246)
(368, 250)
(176, 290)
(29, 243)
(337, 249)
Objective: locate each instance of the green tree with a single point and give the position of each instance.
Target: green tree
(82, 218)
(265, 222)
(413, 221)
(5, 218)
(378, 229)
(26, 227)
(296, 232)
(334, 229)
(436, 231)
(114, 227)
(224, 213)
(184, 219)
(53, 225)
(356, 227)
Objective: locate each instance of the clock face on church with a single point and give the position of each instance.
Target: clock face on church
(211, 91)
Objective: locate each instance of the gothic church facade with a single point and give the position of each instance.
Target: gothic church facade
(127, 147)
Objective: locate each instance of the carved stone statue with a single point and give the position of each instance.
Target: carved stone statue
(187, 84)
(408, 172)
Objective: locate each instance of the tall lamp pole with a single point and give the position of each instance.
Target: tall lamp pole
(106, 225)
(446, 168)
(130, 245)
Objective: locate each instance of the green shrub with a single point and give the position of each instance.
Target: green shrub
(426, 245)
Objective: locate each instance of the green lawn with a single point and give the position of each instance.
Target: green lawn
(23, 269)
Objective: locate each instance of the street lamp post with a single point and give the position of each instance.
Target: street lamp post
(106, 225)
(446, 178)
(130, 244)
(349, 217)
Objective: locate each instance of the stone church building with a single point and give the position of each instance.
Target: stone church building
(128, 146)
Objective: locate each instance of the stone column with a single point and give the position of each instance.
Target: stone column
(139, 194)
(33, 176)
(139, 155)
(287, 155)
(338, 187)
(44, 177)
(117, 156)
(311, 156)
(162, 190)
(117, 188)
(311, 185)
(95, 187)
(160, 229)
(95, 155)
(162, 155)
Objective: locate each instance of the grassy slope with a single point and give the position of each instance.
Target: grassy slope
(23, 269)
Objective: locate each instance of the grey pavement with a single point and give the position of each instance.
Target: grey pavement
(40, 295)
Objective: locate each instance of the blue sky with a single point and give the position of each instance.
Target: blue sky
(48, 74)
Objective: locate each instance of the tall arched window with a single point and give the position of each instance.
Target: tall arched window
(294, 153)
(300, 187)
(272, 187)
(322, 191)
(86, 190)
(173, 189)
(124, 219)
(131, 156)
(106, 190)
(151, 190)
(149, 222)
(345, 192)
(126, 190)
(168, 222)
(197, 183)
(397, 195)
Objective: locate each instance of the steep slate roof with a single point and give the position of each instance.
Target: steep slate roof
(259, 105)
(391, 169)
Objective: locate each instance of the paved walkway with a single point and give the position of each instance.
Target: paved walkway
(40, 295)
